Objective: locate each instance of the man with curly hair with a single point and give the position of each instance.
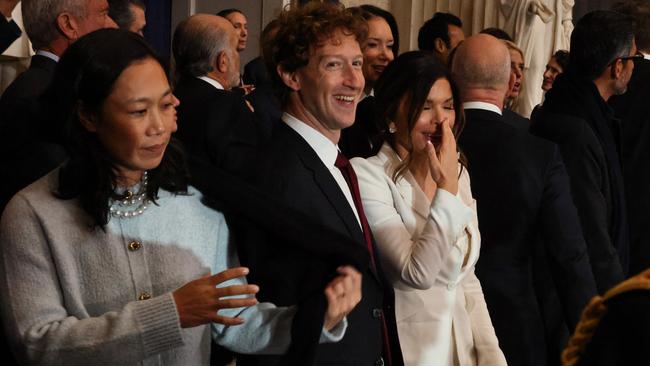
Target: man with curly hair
(317, 63)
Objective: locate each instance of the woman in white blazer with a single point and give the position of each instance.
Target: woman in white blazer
(417, 198)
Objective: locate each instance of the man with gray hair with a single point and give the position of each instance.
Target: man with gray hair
(217, 124)
(576, 116)
(52, 25)
(522, 193)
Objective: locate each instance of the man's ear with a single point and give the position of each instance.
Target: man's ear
(439, 45)
(222, 62)
(86, 118)
(290, 79)
(616, 69)
(67, 25)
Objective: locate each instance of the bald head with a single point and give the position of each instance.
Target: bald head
(482, 63)
(199, 42)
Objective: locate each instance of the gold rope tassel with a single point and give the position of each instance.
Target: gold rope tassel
(592, 314)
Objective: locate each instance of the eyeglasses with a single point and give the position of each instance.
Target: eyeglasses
(636, 56)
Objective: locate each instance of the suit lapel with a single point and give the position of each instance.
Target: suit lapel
(330, 188)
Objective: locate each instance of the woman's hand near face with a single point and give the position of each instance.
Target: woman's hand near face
(444, 163)
(343, 294)
(199, 301)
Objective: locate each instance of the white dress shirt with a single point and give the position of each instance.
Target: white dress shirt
(327, 152)
(212, 82)
(482, 105)
(49, 55)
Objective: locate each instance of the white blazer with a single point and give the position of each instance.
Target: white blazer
(442, 318)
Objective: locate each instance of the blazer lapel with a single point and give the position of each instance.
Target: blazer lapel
(407, 187)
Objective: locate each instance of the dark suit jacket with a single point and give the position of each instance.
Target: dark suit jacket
(576, 118)
(291, 172)
(9, 32)
(633, 108)
(516, 120)
(255, 73)
(216, 125)
(28, 150)
(522, 194)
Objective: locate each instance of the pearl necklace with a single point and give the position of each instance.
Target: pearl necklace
(131, 199)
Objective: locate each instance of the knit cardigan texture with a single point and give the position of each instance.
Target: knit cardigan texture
(74, 294)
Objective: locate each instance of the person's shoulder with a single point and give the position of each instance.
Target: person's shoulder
(40, 197)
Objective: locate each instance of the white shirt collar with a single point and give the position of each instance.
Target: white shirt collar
(326, 150)
(646, 56)
(48, 54)
(482, 105)
(212, 82)
(364, 95)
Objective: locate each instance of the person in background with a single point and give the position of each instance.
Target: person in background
(113, 257)
(239, 21)
(524, 208)
(379, 50)
(575, 115)
(440, 35)
(419, 205)
(516, 80)
(128, 14)
(29, 147)
(218, 125)
(557, 64)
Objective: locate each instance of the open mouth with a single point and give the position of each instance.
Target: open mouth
(435, 138)
(348, 99)
(379, 68)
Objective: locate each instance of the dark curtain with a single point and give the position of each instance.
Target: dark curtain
(158, 29)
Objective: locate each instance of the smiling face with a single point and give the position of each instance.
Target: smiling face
(438, 107)
(326, 90)
(240, 23)
(517, 68)
(553, 69)
(377, 51)
(136, 120)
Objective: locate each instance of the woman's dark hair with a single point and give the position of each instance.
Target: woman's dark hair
(371, 11)
(85, 76)
(407, 81)
(562, 59)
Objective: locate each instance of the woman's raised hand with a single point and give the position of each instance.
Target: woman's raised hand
(443, 163)
(343, 294)
(198, 301)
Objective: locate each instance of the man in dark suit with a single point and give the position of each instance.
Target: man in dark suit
(522, 194)
(9, 30)
(634, 111)
(320, 73)
(576, 116)
(215, 124)
(27, 149)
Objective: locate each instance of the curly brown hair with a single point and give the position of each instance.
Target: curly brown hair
(303, 30)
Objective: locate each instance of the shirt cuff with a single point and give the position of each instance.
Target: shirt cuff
(334, 335)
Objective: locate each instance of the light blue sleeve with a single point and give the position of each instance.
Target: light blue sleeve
(266, 328)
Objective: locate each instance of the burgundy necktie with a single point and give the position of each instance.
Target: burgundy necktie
(351, 178)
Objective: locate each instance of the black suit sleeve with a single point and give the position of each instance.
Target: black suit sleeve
(586, 177)
(564, 243)
(9, 32)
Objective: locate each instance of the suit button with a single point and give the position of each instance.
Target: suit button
(451, 285)
(379, 362)
(135, 245)
(144, 296)
(376, 313)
